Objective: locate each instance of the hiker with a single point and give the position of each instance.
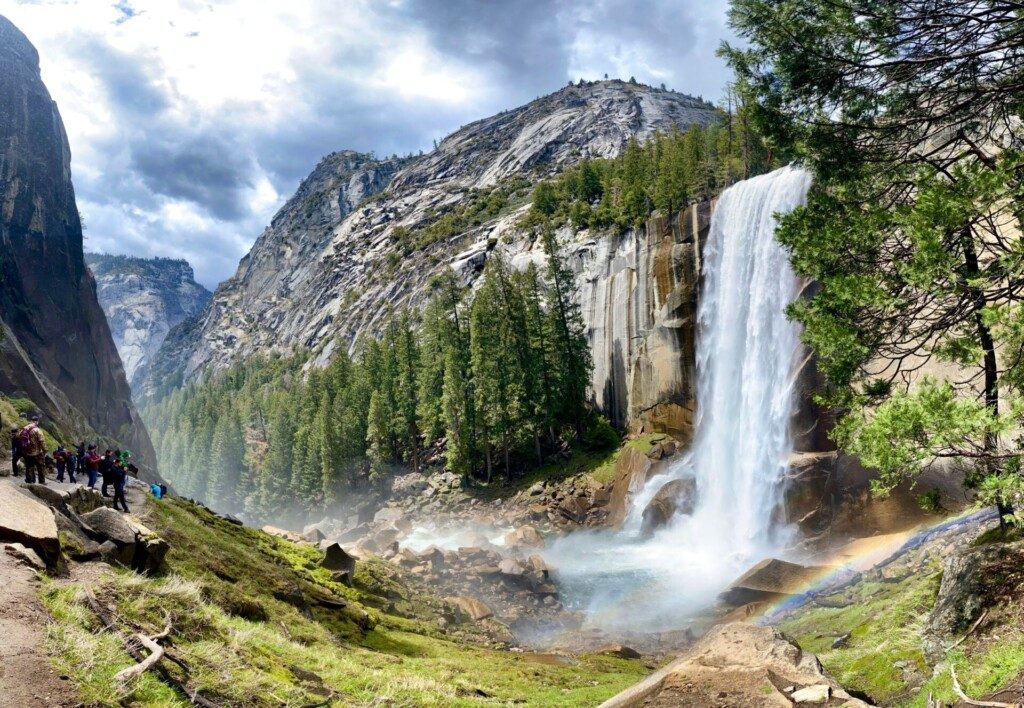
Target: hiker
(156, 490)
(32, 450)
(80, 451)
(60, 460)
(106, 471)
(92, 462)
(15, 452)
(119, 478)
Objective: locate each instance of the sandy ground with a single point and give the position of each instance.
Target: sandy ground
(27, 677)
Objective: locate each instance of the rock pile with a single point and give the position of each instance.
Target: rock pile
(50, 523)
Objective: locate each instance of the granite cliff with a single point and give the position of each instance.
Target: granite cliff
(362, 236)
(143, 299)
(55, 345)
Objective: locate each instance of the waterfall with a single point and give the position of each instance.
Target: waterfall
(746, 356)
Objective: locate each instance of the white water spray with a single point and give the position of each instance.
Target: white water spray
(746, 355)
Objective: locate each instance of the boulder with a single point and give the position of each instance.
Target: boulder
(618, 650)
(737, 664)
(149, 555)
(117, 554)
(819, 693)
(632, 470)
(511, 567)
(313, 535)
(231, 519)
(574, 509)
(388, 514)
(74, 539)
(29, 522)
(524, 536)
(770, 580)
(110, 525)
(342, 563)
(675, 497)
(283, 533)
(475, 609)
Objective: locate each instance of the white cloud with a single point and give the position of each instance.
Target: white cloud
(190, 122)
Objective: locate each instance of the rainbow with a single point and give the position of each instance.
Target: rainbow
(836, 576)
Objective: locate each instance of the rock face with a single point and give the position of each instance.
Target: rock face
(739, 665)
(333, 261)
(143, 299)
(55, 345)
(972, 580)
(632, 470)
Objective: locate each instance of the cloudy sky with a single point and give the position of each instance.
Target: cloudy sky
(192, 121)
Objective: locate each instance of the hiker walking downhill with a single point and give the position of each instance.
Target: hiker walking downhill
(62, 460)
(32, 449)
(92, 462)
(119, 478)
(15, 452)
(106, 471)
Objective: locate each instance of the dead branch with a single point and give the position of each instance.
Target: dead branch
(156, 653)
(971, 701)
(133, 650)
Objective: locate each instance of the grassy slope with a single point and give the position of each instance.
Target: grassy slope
(230, 596)
(884, 621)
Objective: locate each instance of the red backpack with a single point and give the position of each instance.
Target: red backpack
(27, 442)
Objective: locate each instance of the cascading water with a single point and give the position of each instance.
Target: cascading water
(746, 352)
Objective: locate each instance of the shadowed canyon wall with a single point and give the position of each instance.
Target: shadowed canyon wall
(55, 345)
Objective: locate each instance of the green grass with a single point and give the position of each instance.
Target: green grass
(883, 621)
(230, 597)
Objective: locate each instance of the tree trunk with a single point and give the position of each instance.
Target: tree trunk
(989, 362)
(536, 446)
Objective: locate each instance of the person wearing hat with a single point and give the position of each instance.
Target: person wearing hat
(32, 448)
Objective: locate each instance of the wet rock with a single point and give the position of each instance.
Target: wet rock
(524, 536)
(632, 470)
(770, 580)
(29, 522)
(574, 509)
(511, 567)
(388, 514)
(677, 496)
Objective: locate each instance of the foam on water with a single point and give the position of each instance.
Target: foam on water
(746, 359)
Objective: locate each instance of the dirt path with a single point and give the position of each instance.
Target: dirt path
(27, 678)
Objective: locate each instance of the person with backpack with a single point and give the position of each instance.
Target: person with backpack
(119, 478)
(92, 462)
(15, 452)
(32, 449)
(80, 452)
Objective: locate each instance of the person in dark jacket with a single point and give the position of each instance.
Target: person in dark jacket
(60, 460)
(119, 478)
(15, 451)
(106, 471)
